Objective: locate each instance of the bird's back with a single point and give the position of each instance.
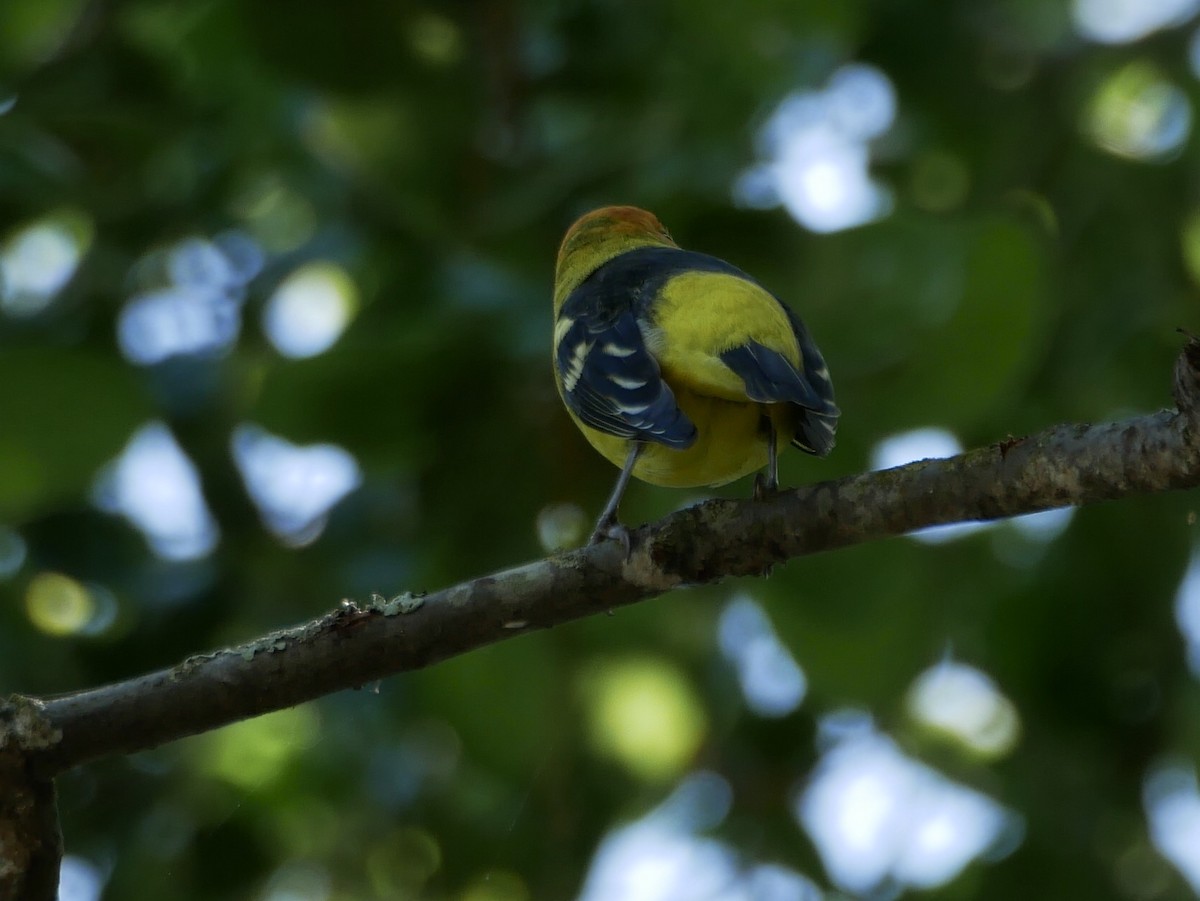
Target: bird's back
(681, 352)
(716, 332)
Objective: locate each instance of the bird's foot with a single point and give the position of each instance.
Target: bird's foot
(610, 528)
(764, 487)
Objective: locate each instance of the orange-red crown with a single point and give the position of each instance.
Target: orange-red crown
(618, 225)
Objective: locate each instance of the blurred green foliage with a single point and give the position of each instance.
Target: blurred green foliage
(1032, 268)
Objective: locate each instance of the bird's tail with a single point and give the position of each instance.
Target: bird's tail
(815, 431)
(818, 413)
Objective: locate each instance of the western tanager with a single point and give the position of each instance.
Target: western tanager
(677, 366)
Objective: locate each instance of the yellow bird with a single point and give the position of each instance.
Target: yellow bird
(677, 366)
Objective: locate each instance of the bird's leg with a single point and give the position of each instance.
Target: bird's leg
(607, 525)
(765, 487)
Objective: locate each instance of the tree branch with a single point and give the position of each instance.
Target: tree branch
(30, 839)
(1062, 466)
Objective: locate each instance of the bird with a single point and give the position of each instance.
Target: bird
(678, 367)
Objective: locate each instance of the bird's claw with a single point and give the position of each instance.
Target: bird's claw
(764, 487)
(616, 532)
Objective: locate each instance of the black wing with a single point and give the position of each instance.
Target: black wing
(610, 380)
(771, 378)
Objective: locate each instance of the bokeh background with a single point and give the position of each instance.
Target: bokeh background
(274, 330)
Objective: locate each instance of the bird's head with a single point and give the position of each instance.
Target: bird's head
(597, 237)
